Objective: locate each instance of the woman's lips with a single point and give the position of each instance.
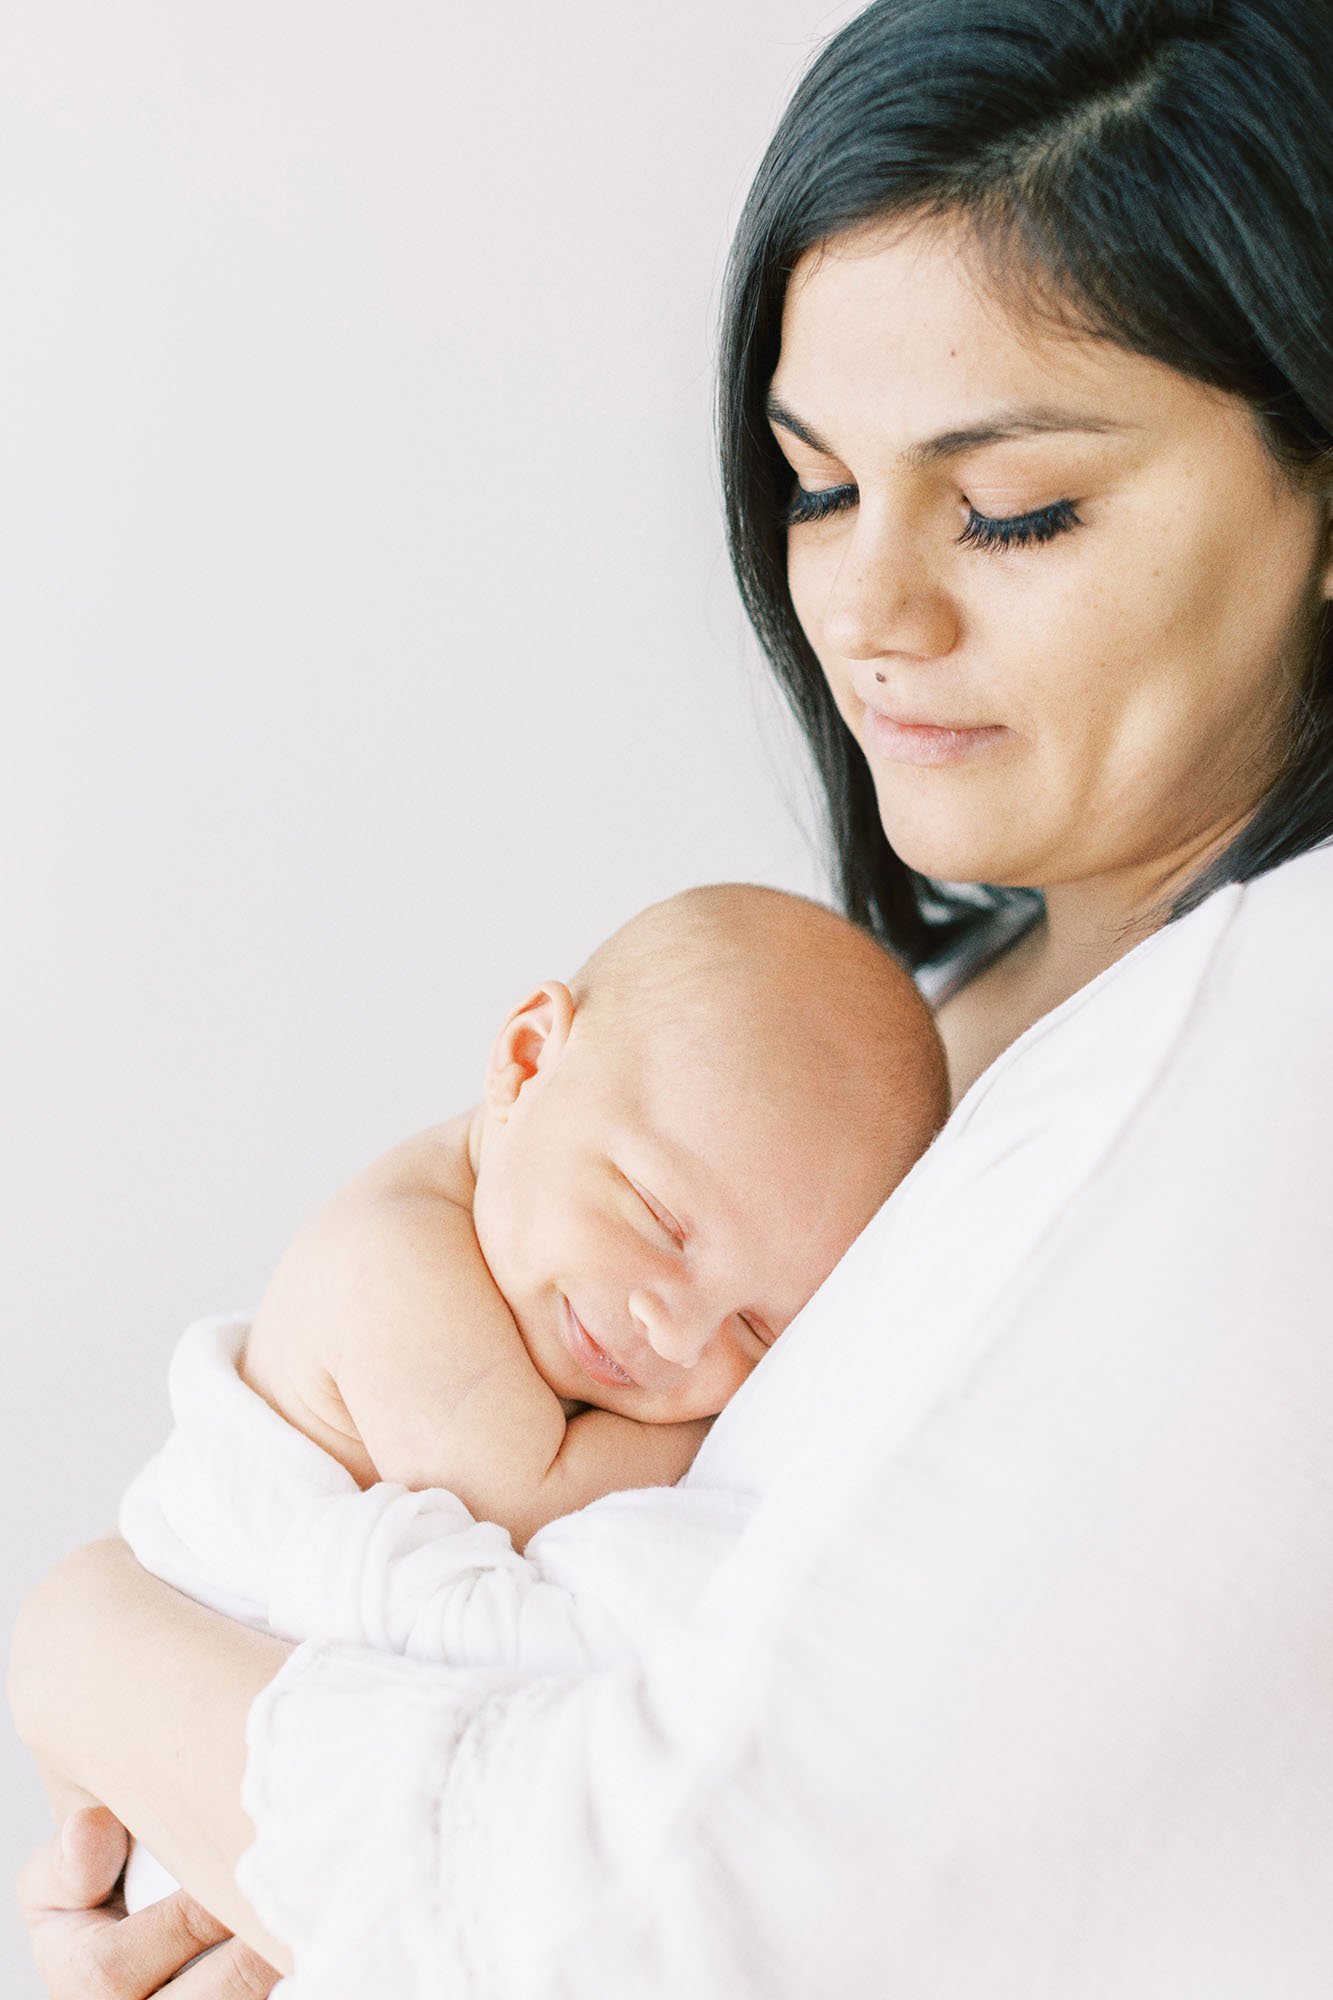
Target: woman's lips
(592, 1359)
(925, 742)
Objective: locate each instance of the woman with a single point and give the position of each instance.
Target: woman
(1018, 1681)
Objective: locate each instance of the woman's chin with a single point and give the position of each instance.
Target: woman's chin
(954, 857)
(959, 839)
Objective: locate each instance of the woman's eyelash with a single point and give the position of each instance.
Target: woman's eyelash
(1018, 530)
(807, 506)
(982, 531)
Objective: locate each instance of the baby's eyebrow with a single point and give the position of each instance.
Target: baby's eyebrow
(1019, 420)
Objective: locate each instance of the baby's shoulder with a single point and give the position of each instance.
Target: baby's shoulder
(433, 1163)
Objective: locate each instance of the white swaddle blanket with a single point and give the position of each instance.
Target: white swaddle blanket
(246, 1515)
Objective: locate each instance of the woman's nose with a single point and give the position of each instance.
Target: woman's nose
(677, 1331)
(883, 599)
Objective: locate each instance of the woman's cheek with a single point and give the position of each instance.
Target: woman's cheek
(803, 572)
(804, 599)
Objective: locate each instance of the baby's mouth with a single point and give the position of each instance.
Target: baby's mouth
(591, 1356)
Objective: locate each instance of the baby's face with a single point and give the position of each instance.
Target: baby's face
(655, 1224)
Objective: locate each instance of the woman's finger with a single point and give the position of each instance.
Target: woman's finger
(76, 1868)
(83, 1943)
(128, 1958)
(232, 1972)
(63, 1896)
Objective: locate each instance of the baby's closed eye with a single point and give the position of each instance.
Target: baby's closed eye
(661, 1215)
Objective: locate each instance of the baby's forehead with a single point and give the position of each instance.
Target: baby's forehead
(719, 1103)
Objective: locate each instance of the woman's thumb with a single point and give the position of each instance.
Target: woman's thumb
(93, 1847)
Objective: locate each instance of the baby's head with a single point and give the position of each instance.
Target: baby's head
(677, 1147)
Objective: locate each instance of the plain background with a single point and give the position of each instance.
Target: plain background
(369, 648)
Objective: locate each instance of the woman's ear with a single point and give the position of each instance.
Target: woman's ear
(529, 1044)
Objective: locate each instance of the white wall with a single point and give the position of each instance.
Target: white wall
(368, 643)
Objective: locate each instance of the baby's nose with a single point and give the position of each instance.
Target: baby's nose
(677, 1332)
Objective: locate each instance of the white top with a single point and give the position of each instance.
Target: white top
(1019, 1681)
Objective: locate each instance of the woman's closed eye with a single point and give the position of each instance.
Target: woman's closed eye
(984, 531)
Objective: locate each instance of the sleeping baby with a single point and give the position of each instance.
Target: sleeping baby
(548, 1298)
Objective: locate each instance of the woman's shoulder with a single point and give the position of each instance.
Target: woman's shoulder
(1279, 925)
(1295, 891)
(1279, 947)
(1257, 953)
(1239, 987)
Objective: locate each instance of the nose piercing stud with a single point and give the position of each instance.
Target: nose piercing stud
(880, 679)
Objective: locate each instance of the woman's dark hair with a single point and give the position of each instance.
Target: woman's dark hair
(1157, 172)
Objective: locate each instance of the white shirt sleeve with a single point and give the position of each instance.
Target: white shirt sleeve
(1018, 1683)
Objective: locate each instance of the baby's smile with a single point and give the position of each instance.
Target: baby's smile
(591, 1356)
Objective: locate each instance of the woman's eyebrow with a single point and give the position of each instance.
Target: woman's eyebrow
(1022, 420)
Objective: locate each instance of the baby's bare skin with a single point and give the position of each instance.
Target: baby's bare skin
(384, 1337)
(549, 1298)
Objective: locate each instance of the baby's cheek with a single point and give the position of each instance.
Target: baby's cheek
(507, 1211)
(494, 1219)
(742, 1366)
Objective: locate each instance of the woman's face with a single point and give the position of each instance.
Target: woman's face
(1127, 637)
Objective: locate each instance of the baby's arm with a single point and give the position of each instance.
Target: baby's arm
(384, 1338)
(243, 1513)
(604, 1453)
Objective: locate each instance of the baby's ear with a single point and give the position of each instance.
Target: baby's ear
(529, 1044)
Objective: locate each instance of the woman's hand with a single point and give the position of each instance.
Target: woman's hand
(126, 1692)
(84, 1944)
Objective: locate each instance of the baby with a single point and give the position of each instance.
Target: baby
(548, 1298)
